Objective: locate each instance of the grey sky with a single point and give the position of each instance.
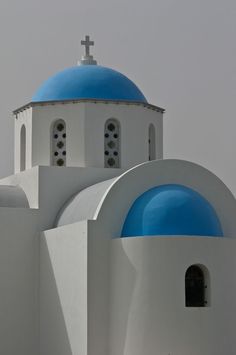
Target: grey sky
(182, 55)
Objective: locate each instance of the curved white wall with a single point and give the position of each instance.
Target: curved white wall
(147, 297)
(141, 178)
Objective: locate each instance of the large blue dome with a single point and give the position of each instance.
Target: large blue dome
(171, 210)
(88, 82)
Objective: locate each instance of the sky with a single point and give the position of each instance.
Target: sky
(181, 54)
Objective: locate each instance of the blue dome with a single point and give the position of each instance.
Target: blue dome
(88, 82)
(171, 210)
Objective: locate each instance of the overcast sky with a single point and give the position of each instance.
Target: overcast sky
(181, 54)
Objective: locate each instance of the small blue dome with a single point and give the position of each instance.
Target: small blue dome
(171, 210)
(88, 82)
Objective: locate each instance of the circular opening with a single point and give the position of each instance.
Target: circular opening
(56, 154)
(115, 135)
(111, 162)
(64, 135)
(111, 127)
(106, 152)
(64, 152)
(60, 127)
(60, 144)
(111, 144)
(106, 135)
(55, 136)
(115, 153)
(60, 162)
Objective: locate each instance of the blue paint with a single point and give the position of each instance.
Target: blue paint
(171, 210)
(88, 82)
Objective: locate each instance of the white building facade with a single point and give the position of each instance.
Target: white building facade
(106, 247)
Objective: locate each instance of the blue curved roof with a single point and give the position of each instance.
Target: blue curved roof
(172, 210)
(88, 82)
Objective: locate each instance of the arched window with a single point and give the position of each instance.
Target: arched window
(112, 144)
(151, 143)
(22, 148)
(58, 143)
(195, 287)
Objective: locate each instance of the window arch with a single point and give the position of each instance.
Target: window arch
(112, 143)
(151, 142)
(196, 286)
(58, 143)
(22, 148)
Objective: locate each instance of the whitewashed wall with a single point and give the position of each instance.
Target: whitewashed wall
(85, 132)
(23, 118)
(64, 291)
(147, 299)
(134, 125)
(19, 281)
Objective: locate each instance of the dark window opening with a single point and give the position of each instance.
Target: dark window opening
(112, 143)
(195, 287)
(151, 143)
(58, 143)
(23, 148)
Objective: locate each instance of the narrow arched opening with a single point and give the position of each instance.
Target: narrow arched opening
(151, 142)
(196, 285)
(112, 138)
(22, 148)
(58, 143)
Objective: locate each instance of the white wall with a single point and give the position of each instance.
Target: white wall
(23, 118)
(134, 126)
(49, 188)
(135, 293)
(63, 291)
(136, 289)
(139, 179)
(147, 297)
(85, 132)
(120, 279)
(43, 118)
(19, 281)
(29, 182)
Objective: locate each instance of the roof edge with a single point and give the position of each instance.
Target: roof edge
(64, 102)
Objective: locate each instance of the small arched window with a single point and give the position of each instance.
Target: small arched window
(195, 287)
(151, 142)
(58, 143)
(112, 144)
(22, 148)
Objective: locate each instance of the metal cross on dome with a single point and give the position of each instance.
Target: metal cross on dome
(88, 58)
(87, 43)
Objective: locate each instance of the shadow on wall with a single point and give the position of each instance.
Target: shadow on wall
(123, 284)
(54, 338)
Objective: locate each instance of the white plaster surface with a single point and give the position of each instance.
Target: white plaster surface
(85, 291)
(83, 206)
(49, 188)
(19, 276)
(85, 132)
(139, 179)
(98, 201)
(23, 118)
(135, 293)
(63, 290)
(28, 181)
(13, 196)
(57, 185)
(43, 119)
(134, 126)
(147, 297)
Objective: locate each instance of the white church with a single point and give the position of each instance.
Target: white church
(106, 248)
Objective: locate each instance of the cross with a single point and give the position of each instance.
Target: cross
(87, 43)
